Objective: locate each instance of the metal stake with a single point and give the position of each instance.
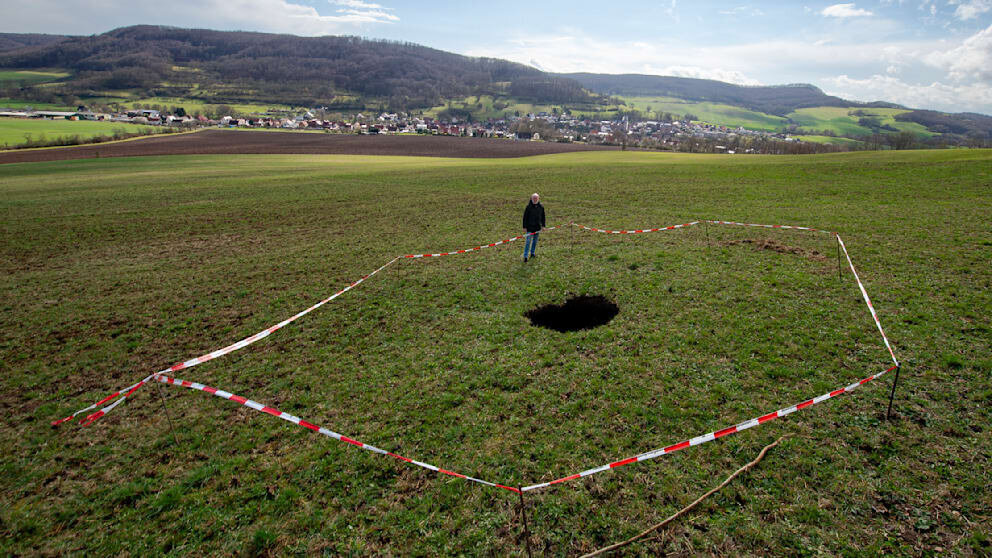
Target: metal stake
(167, 416)
(706, 227)
(523, 512)
(892, 394)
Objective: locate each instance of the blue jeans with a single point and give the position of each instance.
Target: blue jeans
(530, 243)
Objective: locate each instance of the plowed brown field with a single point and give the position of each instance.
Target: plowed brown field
(229, 142)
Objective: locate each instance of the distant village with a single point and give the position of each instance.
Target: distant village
(674, 135)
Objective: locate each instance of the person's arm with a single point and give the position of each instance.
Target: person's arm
(542, 217)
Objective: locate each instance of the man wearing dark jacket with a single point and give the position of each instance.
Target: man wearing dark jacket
(533, 223)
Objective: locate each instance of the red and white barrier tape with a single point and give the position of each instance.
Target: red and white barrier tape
(89, 419)
(270, 330)
(209, 356)
(712, 435)
(871, 307)
(212, 355)
(477, 248)
(635, 231)
(766, 226)
(244, 342)
(320, 430)
(160, 376)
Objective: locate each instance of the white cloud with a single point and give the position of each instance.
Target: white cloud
(970, 9)
(577, 53)
(356, 4)
(364, 12)
(719, 74)
(971, 60)
(743, 10)
(278, 16)
(936, 95)
(921, 74)
(844, 10)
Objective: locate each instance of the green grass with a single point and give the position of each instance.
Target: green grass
(7, 102)
(193, 106)
(829, 140)
(712, 113)
(16, 131)
(29, 77)
(844, 121)
(113, 268)
(483, 107)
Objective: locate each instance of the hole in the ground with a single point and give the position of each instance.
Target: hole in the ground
(578, 312)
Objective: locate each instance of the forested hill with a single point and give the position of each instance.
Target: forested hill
(356, 74)
(776, 99)
(283, 68)
(14, 41)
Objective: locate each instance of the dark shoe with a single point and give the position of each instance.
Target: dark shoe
(525, 259)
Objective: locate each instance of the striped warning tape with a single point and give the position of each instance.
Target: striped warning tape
(320, 430)
(160, 376)
(270, 330)
(635, 231)
(766, 226)
(477, 248)
(246, 341)
(871, 307)
(712, 435)
(211, 355)
(89, 419)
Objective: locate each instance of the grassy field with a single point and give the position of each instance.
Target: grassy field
(830, 140)
(30, 77)
(845, 121)
(711, 113)
(7, 102)
(115, 268)
(483, 107)
(17, 131)
(197, 106)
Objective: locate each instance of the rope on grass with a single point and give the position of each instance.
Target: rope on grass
(688, 508)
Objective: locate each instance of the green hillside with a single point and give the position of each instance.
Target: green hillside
(855, 121)
(711, 113)
(30, 77)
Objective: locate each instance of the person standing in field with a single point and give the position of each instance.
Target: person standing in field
(533, 223)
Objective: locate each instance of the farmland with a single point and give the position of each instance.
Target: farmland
(712, 113)
(30, 77)
(17, 131)
(847, 121)
(116, 268)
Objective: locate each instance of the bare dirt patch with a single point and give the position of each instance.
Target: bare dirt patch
(235, 142)
(768, 244)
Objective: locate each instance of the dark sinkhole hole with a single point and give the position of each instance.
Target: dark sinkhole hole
(578, 312)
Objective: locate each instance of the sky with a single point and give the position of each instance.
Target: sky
(933, 54)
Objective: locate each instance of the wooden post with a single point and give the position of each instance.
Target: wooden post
(571, 228)
(892, 394)
(839, 275)
(523, 513)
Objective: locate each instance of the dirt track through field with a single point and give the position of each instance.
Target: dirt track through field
(231, 142)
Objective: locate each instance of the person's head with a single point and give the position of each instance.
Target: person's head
(535, 198)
